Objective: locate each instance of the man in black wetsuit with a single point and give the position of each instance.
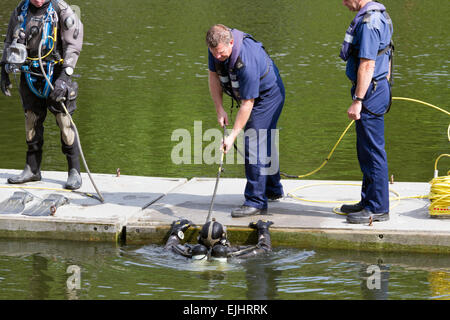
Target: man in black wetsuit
(52, 28)
(213, 241)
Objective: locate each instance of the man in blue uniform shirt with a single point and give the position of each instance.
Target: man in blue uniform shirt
(368, 49)
(240, 67)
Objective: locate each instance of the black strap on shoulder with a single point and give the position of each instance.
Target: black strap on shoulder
(268, 56)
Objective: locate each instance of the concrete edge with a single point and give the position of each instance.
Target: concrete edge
(365, 240)
(156, 233)
(61, 229)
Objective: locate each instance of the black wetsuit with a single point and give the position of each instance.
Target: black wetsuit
(64, 55)
(264, 245)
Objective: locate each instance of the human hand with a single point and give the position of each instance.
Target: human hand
(222, 117)
(261, 224)
(227, 143)
(182, 224)
(61, 88)
(354, 112)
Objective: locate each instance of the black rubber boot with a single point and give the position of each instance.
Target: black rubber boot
(74, 180)
(33, 159)
(27, 175)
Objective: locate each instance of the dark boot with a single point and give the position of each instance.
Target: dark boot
(274, 197)
(365, 216)
(350, 208)
(71, 152)
(33, 159)
(27, 175)
(245, 211)
(74, 180)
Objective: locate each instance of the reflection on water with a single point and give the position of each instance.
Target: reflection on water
(38, 270)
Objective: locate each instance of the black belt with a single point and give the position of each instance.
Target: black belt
(375, 82)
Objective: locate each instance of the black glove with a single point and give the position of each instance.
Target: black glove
(261, 224)
(180, 225)
(61, 87)
(5, 82)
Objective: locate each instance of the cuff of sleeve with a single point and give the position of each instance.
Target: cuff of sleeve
(64, 77)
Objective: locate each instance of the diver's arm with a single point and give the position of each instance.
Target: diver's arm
(173, 244)
(172, 241)
(9, 34)
(71, 30)
(264, 244)
(176, 235)
(243, 252)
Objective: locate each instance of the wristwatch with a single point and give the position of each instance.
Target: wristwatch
(355, 97)
(68, 71)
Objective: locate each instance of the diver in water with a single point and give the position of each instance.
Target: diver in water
(213, 241)
(44, 34)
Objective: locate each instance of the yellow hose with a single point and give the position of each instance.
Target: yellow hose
(336, 209)
(422, 102)
(440, 192)
(439, 195)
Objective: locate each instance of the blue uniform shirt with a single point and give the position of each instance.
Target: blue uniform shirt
(257, 65)
(370, 37)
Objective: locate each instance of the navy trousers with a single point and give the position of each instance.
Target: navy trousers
(370, 145)
(261, 161)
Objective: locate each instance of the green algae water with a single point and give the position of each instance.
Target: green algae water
(143, 75)
(45, 270)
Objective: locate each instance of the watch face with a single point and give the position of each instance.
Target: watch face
(69, 71)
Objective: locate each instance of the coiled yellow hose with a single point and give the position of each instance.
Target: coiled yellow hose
(439, 195)
(440, 192)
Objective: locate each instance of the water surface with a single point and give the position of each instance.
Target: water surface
(38, 270)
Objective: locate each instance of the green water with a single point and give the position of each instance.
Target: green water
(143, 74)
(39, 270)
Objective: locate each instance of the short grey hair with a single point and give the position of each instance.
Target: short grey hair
(218, 33)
